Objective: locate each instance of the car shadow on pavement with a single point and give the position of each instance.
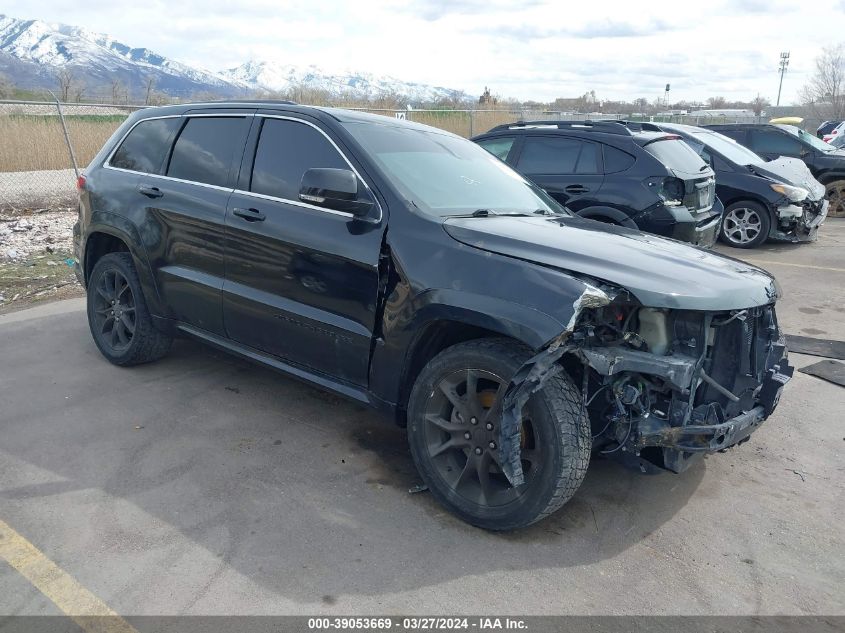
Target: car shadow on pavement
(300, 491)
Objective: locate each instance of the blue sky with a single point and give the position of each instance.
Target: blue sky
(529, 49)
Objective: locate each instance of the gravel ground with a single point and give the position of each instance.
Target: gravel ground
(37, 189)
(25, 233)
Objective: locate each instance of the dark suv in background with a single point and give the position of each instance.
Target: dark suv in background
(826, 162)
(778, 200)
(604, 171)
(406, 268)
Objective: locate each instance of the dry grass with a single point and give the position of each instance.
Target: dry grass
(33, 143)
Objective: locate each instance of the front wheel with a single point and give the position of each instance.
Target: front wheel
(745, 225)
(835, 192)
(453, 430)
(117, 313)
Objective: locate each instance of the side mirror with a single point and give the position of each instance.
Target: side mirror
(335, 189)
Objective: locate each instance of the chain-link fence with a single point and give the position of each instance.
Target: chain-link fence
(36, 170)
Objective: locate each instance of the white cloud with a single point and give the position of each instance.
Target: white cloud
(530, 49)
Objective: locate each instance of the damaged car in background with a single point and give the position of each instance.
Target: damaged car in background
(408, 269)
(777, 200)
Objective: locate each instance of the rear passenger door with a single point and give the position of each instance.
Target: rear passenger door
(186, 211)
(301, 281)
(568, 168)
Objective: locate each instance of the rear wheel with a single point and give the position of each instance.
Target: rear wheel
(835, 192)
(745, 225)
(117, 313)
(453, 430)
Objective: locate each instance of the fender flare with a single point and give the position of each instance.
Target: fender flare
(608, 212)
(121, 228)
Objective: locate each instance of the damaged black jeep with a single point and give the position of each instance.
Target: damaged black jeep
(406, 268)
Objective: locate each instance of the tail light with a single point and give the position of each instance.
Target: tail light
(672, 191)
(80, 182)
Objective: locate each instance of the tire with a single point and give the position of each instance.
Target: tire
(556, 438)
(745, 224)
(835, 193)
(129, 337)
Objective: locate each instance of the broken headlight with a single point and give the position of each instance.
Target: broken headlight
(793, 194)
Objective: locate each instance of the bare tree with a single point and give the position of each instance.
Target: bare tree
(716, 103)
(119, 92)
(65, 77)
(6, 88)
(758, 104)
(825, 92)
(78, 89)
(149, 87)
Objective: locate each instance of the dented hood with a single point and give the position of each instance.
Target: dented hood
(791, 171)
(659, 272)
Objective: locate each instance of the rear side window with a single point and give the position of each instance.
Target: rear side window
(286, 149)
(772, 142)
(206, 148)
(615, 160)
(146, 146)
(500, 147)
(557, 155)
(676, 154)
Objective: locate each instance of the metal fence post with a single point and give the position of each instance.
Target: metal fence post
(67, 136)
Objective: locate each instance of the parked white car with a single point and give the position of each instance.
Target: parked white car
(836, 132)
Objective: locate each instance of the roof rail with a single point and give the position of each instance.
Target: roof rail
(640, 126)
(609, 126)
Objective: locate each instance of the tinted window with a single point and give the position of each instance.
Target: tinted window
(735, 134)
(205, 149)
(675, 154)
(726, 146)
(286, 149)
(556, 155)
(771, 142)
(616, 160)
(146, 146)
(499, 147)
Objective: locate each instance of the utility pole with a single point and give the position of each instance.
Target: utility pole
(666, 97)
(784, 62)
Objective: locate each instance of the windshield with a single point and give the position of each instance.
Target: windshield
(675, 154)
(807, 138)
(729, 148)
(446, 175)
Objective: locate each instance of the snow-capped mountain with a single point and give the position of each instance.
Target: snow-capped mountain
(264, 75)
(32, 52)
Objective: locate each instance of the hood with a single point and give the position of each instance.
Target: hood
(791, 171)
(659, 272)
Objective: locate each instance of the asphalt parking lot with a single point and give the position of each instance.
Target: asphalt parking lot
(205, 485)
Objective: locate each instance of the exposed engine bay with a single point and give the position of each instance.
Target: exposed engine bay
(664, 386)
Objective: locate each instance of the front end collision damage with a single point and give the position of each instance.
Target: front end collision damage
(698, 382)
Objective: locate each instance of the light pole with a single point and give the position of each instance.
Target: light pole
(784, 62)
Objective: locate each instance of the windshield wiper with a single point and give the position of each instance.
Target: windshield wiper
(483, 213)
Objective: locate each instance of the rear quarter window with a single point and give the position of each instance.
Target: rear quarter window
(500, 147)
(145, 148)
(615, 160)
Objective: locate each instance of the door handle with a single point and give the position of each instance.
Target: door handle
(250, 215)
(575, 189)
(150, 191)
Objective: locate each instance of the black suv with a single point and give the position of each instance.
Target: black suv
(405, 268)
(826, 162)
(778, 200)
(605, 171)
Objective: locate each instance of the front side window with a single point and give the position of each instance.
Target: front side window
(500, 146)
(771, 142)
(146, 146)
(286, 150)
(557, 155)
(444, 175)
(206, 148)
